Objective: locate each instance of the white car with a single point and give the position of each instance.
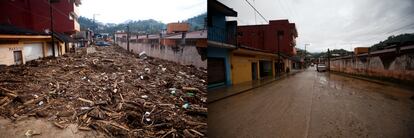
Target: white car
(321, 67)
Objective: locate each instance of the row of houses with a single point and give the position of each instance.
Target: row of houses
(176, 34)
(238, 54)
(25, 29)
(175, 43)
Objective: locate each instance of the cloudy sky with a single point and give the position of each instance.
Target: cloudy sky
(333, 23)
(118, 11)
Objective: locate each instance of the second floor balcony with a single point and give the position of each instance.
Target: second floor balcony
(222, 35)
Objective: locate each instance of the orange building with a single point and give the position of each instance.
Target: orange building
(177, 27)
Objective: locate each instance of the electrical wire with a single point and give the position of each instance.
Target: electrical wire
(257, 12)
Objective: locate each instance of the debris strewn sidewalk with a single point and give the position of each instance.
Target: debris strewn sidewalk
(111, 91)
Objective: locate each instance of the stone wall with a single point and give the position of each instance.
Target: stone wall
(185, 55)
(386, 64)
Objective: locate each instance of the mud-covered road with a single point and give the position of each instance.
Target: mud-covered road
(312, 104)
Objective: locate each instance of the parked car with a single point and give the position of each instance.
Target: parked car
(102, 43)
(321, 67)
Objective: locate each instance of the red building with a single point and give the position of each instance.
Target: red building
(265, 37)
(35, 15)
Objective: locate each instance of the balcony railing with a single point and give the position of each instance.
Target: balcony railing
(222, 35)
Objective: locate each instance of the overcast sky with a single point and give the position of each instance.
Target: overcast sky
(118, 11)
(333, 23)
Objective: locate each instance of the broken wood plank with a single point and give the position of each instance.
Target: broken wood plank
(84, 128)
(198, 133)
(169, 132)
(59, 125)
(35, 100)
(190, 89)
(4, 100)
(193, 123)
(6, 103)
(85, 100)
(188, 134)
(8, 92)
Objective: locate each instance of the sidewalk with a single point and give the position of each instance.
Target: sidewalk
(222, 93)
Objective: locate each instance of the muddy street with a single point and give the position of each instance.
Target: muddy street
(313, 104)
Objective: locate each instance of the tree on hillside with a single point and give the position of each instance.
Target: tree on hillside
(149, 26)
(197, 22)
(400, 40)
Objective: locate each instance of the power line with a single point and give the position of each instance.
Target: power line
(401, 28)
(255, 19)
(257, 11)
(285, 7)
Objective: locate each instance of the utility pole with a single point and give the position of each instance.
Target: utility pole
(94, 25)
(128, 38)
(51, 27)
(279, 35)
(329, 60)
(304, 60)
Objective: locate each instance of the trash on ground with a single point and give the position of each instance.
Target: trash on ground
(107, 89)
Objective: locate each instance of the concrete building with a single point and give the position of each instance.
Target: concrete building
(177, 27)
(25, 29)
(84, 37)
(19, 45)
(195, 38)
(221, 40)
(277, 37)
(34, 15)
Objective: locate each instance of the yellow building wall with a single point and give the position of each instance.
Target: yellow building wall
(241, 69)
(241, 62)
(6, 53)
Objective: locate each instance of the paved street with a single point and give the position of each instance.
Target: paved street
(312, 104)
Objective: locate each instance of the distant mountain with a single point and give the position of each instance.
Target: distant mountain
(340, 52)
(144, 26)
(197, 22)
(149, 26)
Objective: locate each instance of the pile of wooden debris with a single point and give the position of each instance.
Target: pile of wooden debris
(111, 91)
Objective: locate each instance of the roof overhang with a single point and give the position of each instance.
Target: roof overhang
(217, 6)
(9, 36)
(220, 45)
(242, 50)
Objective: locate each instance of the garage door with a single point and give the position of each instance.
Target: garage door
(32, 51)
(216, 71)
(265, 68)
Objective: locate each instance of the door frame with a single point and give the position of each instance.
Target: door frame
(21, 57)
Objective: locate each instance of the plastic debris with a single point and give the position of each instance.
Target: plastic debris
(147, 70)
(40, 103)
(186, 105)
(30, 133)
(143, 55)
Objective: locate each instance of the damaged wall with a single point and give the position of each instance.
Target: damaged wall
(185, 55)
(385, 64)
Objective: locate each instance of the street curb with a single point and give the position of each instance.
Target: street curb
(254, 87)
(381, 82)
